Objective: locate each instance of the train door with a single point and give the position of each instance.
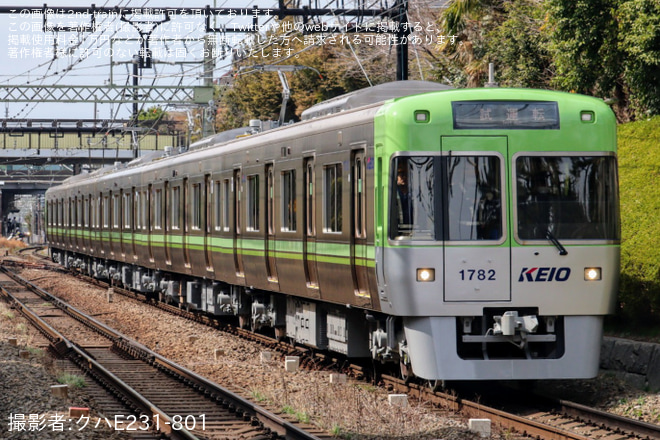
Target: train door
(208, 222)
(309, 221)
(271, 268)
(477, 247)
(358, 224)
(238, 258)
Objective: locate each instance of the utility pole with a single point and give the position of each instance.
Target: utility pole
(402, 34)
(208, 119)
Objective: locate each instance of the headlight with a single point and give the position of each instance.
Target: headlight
(426, 274)
(592, 274)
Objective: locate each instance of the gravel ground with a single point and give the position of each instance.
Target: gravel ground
(355, 409)
(28, 410)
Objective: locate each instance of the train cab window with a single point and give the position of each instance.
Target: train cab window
(413, 202)
(332, 220)
(289, 200)
(567, 198)
(454, 198)
(253, 203)
(474, 198)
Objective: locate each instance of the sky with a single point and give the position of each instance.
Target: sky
(28, 55)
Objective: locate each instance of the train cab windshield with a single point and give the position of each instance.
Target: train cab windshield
(457, 198)
(567, 198)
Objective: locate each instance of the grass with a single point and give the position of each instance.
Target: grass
(36, 351)
(258, 396)
(300, 416)
(72, 380)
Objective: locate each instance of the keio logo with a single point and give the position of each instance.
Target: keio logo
(544, 274)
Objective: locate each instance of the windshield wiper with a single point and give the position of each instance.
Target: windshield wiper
(558, 245)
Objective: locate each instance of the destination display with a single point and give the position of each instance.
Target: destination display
(490, 115)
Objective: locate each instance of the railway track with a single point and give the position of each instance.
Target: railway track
(156, 394)
(540, 418)
(535, 416)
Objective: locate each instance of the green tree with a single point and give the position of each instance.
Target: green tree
(153, 113)
(519, 46)
(585, 49)
(332, 69)
(639, 42)
(464, 55)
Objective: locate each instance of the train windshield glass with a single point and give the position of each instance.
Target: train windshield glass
(413, 211)
(567, 198)
(470, 186)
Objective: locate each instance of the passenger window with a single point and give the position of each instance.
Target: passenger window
(289, 200)
(226, 198)
(116, 214)
(176, 200)
(253, 203)
(158, 209)
(332, 221)
(196, 206)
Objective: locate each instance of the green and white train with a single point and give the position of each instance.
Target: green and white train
(459, 234)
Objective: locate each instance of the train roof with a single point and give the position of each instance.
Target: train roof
(371, 95)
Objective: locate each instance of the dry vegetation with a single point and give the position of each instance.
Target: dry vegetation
(11, 244)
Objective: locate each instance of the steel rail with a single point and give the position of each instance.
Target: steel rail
(144, 405)
(272, 421)
(614, 421)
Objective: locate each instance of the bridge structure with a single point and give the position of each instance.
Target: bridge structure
(36, 154)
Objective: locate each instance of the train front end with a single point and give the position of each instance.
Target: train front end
(497, 231)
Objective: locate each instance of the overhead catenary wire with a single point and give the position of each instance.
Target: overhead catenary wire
(74, 66)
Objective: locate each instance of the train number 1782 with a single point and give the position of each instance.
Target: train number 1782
(477, 274)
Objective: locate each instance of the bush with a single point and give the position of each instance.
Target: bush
(639, 179)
